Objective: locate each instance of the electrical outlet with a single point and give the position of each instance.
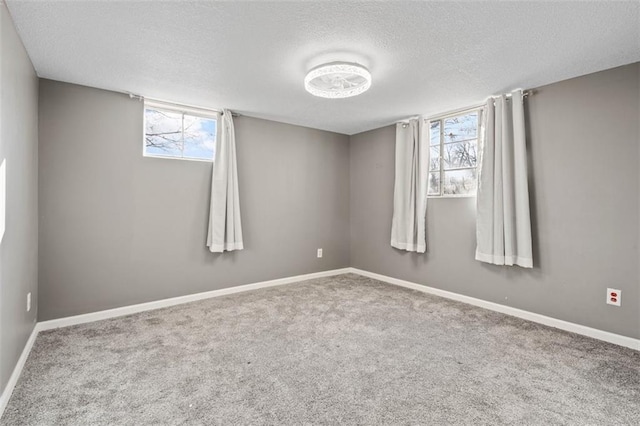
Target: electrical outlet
(319, 253)
(614, 297)
(28, 302)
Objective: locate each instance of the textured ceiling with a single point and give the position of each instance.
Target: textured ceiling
(425, 57)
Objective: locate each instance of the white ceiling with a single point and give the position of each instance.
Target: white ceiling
(425, 57)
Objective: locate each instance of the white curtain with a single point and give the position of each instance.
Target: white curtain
(410, 191)
(503, 223)
(225, 228)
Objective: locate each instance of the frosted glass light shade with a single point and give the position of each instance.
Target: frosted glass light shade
(337, 80)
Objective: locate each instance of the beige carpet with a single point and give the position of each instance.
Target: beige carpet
(341, 350)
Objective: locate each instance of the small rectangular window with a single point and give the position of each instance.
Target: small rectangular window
(172, 132)
(454, 155)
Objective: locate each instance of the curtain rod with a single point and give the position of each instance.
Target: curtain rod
(143, 98)
(525, 94)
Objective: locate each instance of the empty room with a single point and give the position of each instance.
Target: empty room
(319, 212)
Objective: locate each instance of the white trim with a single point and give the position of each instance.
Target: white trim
(169, 157)
(17, 370)
(441, 170)
(457, 112)
(142, 307)
(606, 336)
(177, 109)
(182, 108)
(616, 339)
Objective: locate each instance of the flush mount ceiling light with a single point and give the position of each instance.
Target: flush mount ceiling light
(337, 80)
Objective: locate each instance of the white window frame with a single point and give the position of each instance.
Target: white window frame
(181, 109)
(480, 110)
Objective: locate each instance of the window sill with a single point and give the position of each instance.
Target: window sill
(199, 160)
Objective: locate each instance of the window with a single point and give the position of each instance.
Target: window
(454, 155)
(179, 133)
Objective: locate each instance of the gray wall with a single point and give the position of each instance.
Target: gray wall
(583, 152)
(117, 228)
(19, 148)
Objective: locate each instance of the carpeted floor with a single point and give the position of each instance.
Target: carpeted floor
(340, 350)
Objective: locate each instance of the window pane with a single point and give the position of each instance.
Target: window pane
(434, 183)
(461, 128)
(460, 154)
(434, 158)
(199, 137)
(163, 133)
(435, 133)
(460, 182)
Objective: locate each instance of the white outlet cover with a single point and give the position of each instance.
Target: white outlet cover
(618, 293)
(28, 302)
(319, 252)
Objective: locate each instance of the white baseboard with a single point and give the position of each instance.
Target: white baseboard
(132, 309)
(616, 339)
(17, 370)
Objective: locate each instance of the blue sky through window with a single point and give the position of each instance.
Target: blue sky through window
(180, 135)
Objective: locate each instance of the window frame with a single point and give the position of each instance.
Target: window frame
(441, 118)
(180, 109)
